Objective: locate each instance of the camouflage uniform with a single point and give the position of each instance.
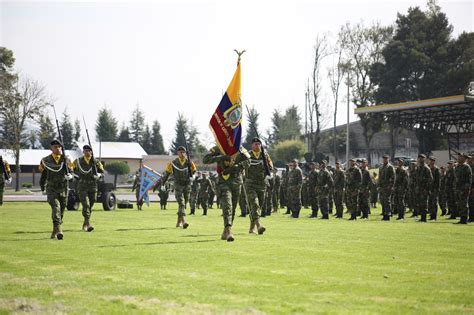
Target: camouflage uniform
(442, 193)
(276, 192)
(304, 192)
(213, 192)
(295, 181)
(136, 188)
(53, 171)
(3, 180)
(450, 193)
(255, 184)
(339, 184)
(312, 188)
(284, 191)
(243, 200)
(182, 183)
(374, 194)
(203, 196)
(229, 183)
(163, 193)
(325, 184)
(385, 185)
(364, 193)
(423, 181)
(353, 182)
(463, 184)
(87, 186)
(193, 198)
(434, 191)
(399, 190)
(471, 194)
(267, 208)
(411, 190)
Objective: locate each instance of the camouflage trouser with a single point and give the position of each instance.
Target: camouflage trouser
(385, 201)
(294, 198)
(442, 200)
(243, 204)
(352, 200)
(203, 201)
(282, 196)
(2, 188)
(181, 193)
(137, 194)
(267, 208)
(313, 198)
(422, 202)
(323, 202)
(210, 201)
(338, 198)
(331, 202)
(275, 200)
(163, 198)
(57, 200)
(471, 204)
(87, 196)
(433, 203)
(229, 196)
(451, 200)
(399, 202)
(462, 201)
(256, 198)
(364, 206)
(193, 200)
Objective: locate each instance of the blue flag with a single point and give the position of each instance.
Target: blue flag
(147, 181)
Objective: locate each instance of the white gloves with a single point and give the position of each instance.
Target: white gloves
(68, 177)
(8, 181)
(98, 176)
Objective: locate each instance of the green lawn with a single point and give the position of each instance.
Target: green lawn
(138, 262)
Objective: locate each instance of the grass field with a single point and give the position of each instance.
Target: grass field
(138, 262)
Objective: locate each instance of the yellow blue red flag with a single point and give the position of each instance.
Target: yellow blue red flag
(226, 121)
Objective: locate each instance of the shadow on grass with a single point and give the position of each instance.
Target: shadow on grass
(145, 229)
(27, 239)
(161, 243)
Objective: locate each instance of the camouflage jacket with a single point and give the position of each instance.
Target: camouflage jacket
(386, 177)
(339, 180)
(366, 181)
(229, 169)
(449, 179)
(463, 177)
(325, 183)
(353, 178)
(423, 179)
(434, 189)
(401, 179)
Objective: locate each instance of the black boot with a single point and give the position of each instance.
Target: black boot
(353, 217)
(423, 218)
(400, 216)
(471, 218)
(314, 214)
(386, 217)
(443, 212)
(325, 216)
(462, 221)
(432, 217)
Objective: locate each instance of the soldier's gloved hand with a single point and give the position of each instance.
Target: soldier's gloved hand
(98, 176)
(68, 176)
(8, 181)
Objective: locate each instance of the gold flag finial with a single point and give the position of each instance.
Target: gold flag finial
(239, 54)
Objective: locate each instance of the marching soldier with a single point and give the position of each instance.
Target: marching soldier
(434, 189)
(163, 193)
(324, 185)
(399, 189)
(339, 183)
(411, 190)
(364, 191)
(267, 207)
(312, 188)
(373, 190)
(450, 193)
(423, 180)
(229, 170)
(193, 199)
(136, 188)
(255, 183)
(284, 190)
(180, 167)
(442, 191)
(5, 177)
(385, 184)
(353, 182)
(88, 175)
(295, 181)
(203, 195)
(276, 190)
(243, 200)
(463, 185)
(54, 179)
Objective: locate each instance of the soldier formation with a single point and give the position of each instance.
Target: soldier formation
(242, 179)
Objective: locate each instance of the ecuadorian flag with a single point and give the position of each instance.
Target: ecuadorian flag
(226, 120)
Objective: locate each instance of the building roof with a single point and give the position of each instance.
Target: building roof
(107, 150)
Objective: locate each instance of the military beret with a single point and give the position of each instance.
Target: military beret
(386, 156)
(422, 156)
(353, 160)
(256, 140)
(432, 158)
(55, 142)
(450, 162)
(464, 155)
(86, 147)
(295, 161)
(181, 148)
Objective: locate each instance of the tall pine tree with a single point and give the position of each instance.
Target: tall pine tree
(106, 126)
(137, 125)
(67, 131)
(157, 146)
(181, 133)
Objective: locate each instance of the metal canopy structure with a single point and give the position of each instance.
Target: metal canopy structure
(452, 115)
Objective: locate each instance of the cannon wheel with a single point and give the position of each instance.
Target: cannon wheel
(109, 201)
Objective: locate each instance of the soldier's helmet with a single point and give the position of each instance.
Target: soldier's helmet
(256, 139)
(181, 148)
(56, 142)
(87, 147)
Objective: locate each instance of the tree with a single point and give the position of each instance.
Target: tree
(157, 146)
(117, 168)
(21, 103)
(146, 140)
(47, 131)
(32, 139)
(364, 49)
(287, 150)
(106, 126)
(252, 128)
(77, 130)
(67, 131)
(124, 134)
(181, 133)
(137, 123)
